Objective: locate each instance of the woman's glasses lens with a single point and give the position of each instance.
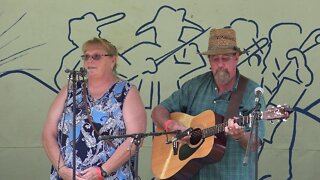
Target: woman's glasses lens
(95, 57)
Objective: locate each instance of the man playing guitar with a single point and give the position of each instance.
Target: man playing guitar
(212, 91)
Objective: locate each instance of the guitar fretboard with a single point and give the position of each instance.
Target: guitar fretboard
(241, 120)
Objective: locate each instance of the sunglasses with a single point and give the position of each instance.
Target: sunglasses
(95, 57)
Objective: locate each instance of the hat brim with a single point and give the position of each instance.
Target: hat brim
(218, 51)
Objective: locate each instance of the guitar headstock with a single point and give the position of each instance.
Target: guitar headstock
(280, 112)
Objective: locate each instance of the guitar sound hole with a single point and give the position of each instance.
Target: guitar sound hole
(196, 136)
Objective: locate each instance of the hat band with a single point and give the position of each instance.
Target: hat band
(222, 47)
(222, 50)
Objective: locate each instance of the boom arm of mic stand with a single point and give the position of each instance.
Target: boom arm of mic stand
(138, 135)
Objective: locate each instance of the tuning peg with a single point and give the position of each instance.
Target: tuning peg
(284, 120)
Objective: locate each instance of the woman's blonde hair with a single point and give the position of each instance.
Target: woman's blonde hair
(109, 47)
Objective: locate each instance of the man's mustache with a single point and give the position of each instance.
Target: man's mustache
(222, 70)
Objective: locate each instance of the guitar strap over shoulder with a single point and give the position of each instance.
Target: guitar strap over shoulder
(236, 98)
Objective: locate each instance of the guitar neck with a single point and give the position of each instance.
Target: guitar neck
(241, 120)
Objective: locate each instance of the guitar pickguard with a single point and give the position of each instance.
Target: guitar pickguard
(186, 151)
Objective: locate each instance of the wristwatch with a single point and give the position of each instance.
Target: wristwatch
(103, 172)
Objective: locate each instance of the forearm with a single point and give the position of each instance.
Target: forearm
(159, 116)
(51, 147)
(120, 157)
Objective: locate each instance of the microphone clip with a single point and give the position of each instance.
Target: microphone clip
(183, 134)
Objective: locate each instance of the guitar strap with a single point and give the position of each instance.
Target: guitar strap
(236, 98)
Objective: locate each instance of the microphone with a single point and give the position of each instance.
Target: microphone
(82, 72)
(258, 93)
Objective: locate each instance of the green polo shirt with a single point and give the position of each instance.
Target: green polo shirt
(200, 94)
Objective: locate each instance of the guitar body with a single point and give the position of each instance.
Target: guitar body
(190, 157)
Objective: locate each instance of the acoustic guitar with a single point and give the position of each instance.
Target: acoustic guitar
(207, 142)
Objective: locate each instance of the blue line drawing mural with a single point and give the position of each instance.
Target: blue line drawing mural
(92, 24)
(9, 40)
(276, 66)
(169, 47)
(174, 45)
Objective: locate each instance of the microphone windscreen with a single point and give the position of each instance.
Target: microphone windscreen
(68, 71)
(258, 91)
(83, 71)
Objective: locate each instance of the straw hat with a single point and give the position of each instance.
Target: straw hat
(222, 41)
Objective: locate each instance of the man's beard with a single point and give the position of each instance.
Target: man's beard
(222, 76)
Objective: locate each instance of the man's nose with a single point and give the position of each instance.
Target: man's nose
(220, 60)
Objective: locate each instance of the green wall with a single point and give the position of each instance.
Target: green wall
(158, 42)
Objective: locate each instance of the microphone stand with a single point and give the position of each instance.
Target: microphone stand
(254, 118)
(137, 141)
(74, 87)
(74, 78)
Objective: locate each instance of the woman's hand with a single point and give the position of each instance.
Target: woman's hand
(90, 173)
(67, 174)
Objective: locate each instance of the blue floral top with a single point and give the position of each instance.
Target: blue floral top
(107, 118)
